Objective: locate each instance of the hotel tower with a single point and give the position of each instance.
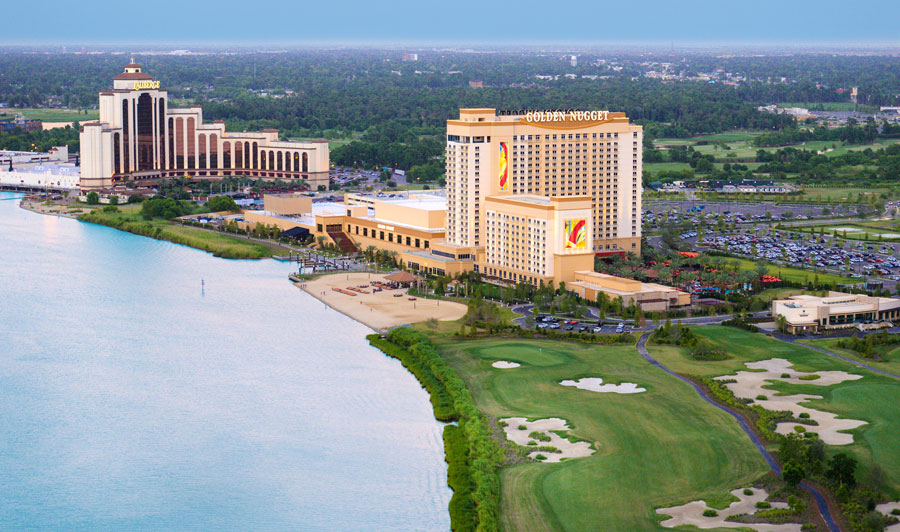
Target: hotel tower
(537, 194)
(140, 138)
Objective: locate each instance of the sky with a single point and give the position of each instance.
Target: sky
(455, 22)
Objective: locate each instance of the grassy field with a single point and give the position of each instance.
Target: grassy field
(874, 398)
(654, 168)
(831, 106)
(332, 143)
(792, 274)
(891, 353)
(854, 231)
(53, 115)
(841, 194)
(657, 448)
(218, 244)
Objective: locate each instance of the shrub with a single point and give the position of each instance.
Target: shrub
(706, 350)
(709, 512)
(539, 436)
(523, 427)
(540, 457)
(763, 504)
(785, 375)
(810, 377)
(803, 415)
(761, 397)
(748, 491)
(799, 428)
(484, 452)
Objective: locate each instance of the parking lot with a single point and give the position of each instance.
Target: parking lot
(856, 259)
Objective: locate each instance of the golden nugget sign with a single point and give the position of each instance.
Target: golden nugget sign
(564, 116)
(138, 85)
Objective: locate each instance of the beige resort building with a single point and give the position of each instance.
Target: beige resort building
(838, 310)
(140, 138)
(531, 197)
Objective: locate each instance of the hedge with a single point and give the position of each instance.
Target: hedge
(484, 454)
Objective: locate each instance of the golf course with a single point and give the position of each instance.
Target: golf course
(661, 447)
(874, 398)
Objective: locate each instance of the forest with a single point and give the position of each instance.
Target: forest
(389, 112)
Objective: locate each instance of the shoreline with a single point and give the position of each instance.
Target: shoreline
(379, 311)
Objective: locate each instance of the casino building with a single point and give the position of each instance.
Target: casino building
(531, 198)
(140, 138)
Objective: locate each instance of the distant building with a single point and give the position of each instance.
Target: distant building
(410, 57)
(573, 60)
(139, 138)
(476, 84)
(9, 124)
(810, 314)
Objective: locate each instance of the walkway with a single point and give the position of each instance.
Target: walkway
(824, 511)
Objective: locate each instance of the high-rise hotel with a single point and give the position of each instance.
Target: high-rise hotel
(140, 138)
(536, 194)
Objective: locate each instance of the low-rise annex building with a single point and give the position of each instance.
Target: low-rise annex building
(650, 297)
(838, 310)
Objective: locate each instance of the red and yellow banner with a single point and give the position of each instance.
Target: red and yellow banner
(503, 165)
(576, 234)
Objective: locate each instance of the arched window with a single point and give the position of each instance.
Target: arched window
(255, 157)
(305, 162)
(126, 135)
(117, 150)
(264, 166)
(247, 158)
(238, 154)
(226, 155)
(171, 143)
(214, 151)
(191, 149)
(161, 131)
(271, 160)
(202, 147)
(143, 129)
(280, 159)
(179, 141)
(296, 161)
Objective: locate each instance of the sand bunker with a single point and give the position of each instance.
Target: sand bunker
(521, 437)
(505, 364)
(750, 385)
(595, 384)
(378, 310)
(886, 509)
(692, 514)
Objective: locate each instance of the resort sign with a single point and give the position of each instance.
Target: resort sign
(575, 234)
(141, 85)
(503, 165)
(565, 116)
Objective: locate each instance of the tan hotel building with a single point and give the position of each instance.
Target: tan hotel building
(140, 138)
(555, 154)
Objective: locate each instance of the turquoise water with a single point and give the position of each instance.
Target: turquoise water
(132, 399)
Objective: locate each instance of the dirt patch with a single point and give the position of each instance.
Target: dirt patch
(595, 384)
(750, 385)
(519, 429)
(692, 513)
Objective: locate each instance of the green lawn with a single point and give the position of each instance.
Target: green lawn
(219, 244)
(840, 194)
(792, 274)
(831, 106)
(864, 232)
(658, 448)
(874, 398)
(655, 168)
(53, 115)
(890, 353)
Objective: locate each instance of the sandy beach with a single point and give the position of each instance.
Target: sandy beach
(378, 310)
